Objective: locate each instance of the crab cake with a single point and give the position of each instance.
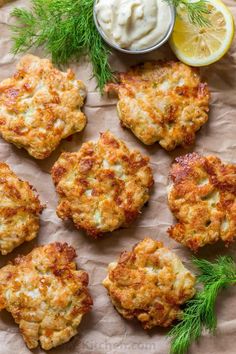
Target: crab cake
(45, 294)
(203, 199)
(103, 186)
(19, 210)
(162, 101)
(149, 283)
(40, 106)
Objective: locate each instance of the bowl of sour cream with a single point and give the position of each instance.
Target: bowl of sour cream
(134, 26)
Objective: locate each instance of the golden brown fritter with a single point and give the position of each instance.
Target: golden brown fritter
(203, 199)
(19, 210)
(103, 186)
(45, 294)
(162, 101)
(149, 283)
(40, 106)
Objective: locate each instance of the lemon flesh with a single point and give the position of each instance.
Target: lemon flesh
(198, 46)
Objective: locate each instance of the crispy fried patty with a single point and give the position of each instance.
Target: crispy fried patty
(40, 106)
(203, 199)
(19, 210)
(45, 294)
(149, 283)
(103, 186)
(162, 101)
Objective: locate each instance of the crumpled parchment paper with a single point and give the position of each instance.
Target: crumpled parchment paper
(103, 330)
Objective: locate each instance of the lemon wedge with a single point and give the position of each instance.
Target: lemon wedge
(199, 46)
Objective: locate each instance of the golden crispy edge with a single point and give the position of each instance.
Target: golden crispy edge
(61, 268)
(129, 257)
(59, 171)
(181, 168)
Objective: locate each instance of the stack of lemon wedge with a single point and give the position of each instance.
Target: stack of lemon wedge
(197, 45)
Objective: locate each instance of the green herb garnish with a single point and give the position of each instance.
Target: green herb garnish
(196, 10)
(199, 312)
(66, 30)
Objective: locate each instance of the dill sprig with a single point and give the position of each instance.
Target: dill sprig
(197, 10)
(66, 30)
(199, 312)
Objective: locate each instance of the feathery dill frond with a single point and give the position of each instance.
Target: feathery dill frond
(196, 10)
(199, 312)
(66, 30)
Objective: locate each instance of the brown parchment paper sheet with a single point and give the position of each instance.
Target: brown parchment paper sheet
(103, 331)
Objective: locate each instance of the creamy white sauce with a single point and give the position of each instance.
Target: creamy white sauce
(134, 24)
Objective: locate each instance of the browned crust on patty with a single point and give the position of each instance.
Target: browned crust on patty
(103, 186)
(203, 199)
(40, 106)
(19, 210)
(46, 295)
(162, 101)
(149, 283)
